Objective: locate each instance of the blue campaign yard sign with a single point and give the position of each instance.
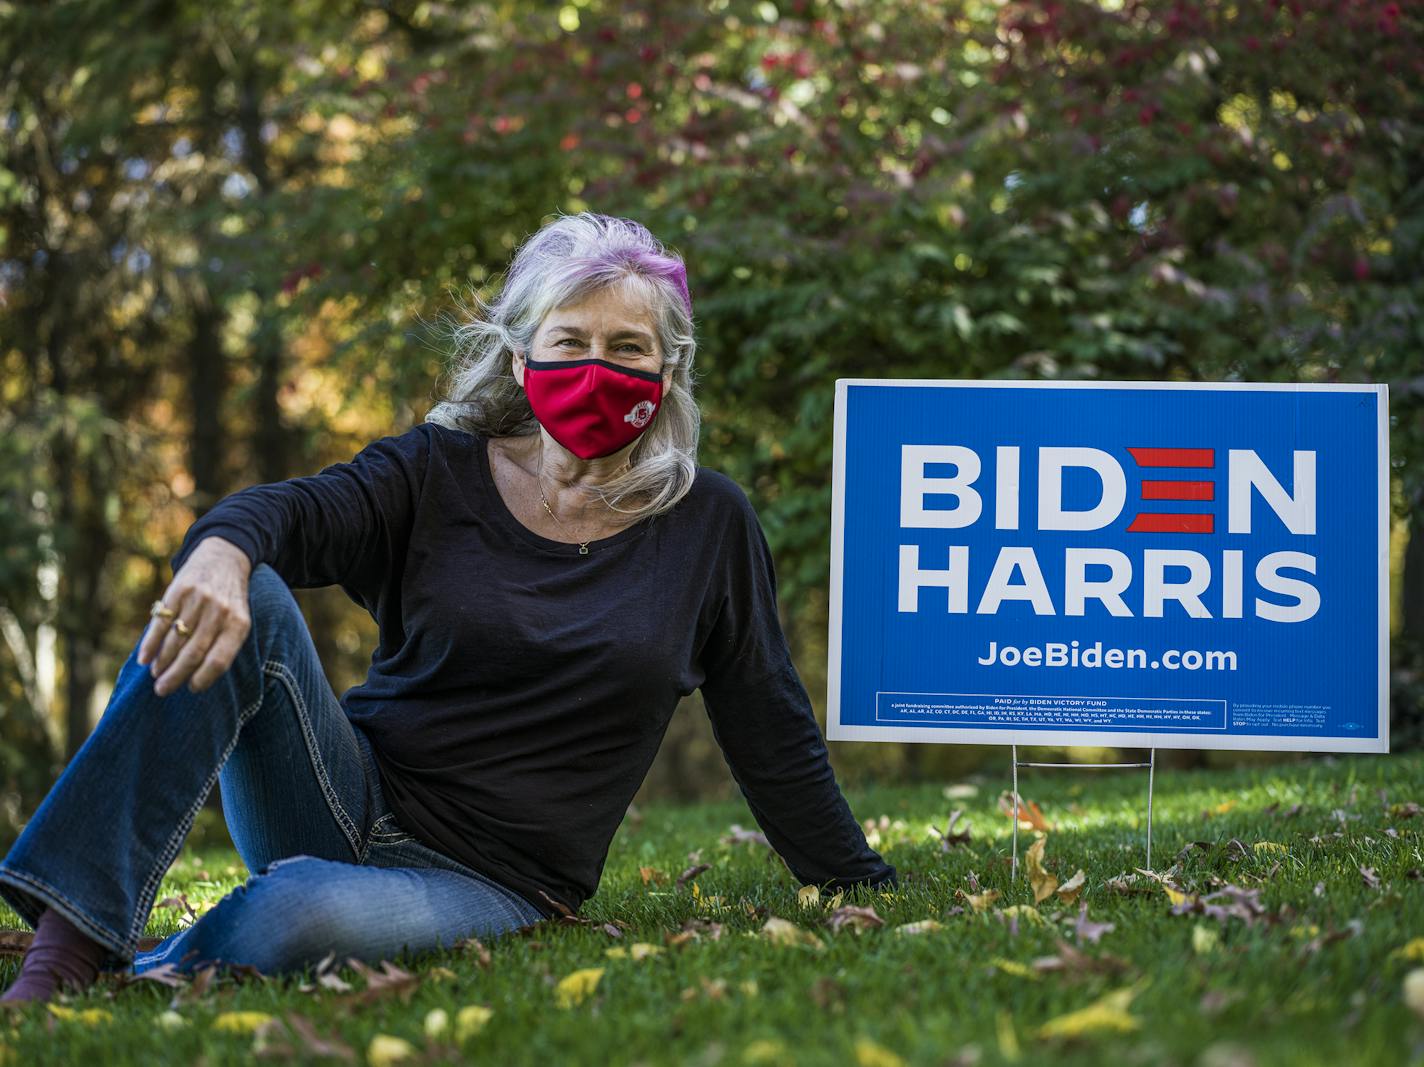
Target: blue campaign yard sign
(1141, 564)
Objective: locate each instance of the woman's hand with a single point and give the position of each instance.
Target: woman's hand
(209, 593)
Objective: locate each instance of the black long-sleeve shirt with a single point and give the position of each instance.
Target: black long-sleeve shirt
(519, 690)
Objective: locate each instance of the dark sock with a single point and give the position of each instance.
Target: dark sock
(59, 953)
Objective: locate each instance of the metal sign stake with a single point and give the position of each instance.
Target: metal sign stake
(1151, 766)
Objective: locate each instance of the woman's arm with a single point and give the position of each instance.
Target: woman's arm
(343, 524)
(765, 725)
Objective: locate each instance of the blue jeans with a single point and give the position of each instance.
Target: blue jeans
(334, 870)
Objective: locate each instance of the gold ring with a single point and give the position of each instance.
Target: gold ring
(161, 610)
(182, 628)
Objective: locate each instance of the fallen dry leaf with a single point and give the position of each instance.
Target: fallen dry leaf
(1015, 968)
(949, 837)
(87, 1016)
(190, 915)
(1028, 912)
(653, 875)
(738, 836)
(856, 918)
(575, 987)
(1043, 883)
(1411, 951)
(923, 926)
(1028, 811)
(1108, 1014)
(869, 1054)
(241, 1022)
(1128, 884)
(1205, 939)
(711, 989)
(691, 873)
(470, 1020)
(765, 1050)
(1071, 961)
(385, 1049)
(1414, 991)
(269, 1041)
(1069, 890)
(979, 901)
(326, 978)
(787, 934)
(639, 950)
(1370, 877)
(1090, 931)
(390, 979)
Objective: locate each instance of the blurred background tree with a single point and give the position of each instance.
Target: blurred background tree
(235, 236)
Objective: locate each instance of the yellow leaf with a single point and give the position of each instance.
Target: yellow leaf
(617, 952)
(575, 987)
(642, 950)
(1008, 1040)
(924, 926)
(470, 1020)
(241, 1022)
(749, 987)
(1043, 883)
(385, 1049)
(170, 1020)
(441, 974)
(436, 1022)
(1069, 890)
(1412, 952)
(1017, 969)
(1223, 807)
(981, 901)
(1175, 896)
(1269, 846)
(808, 896)
(1414, 991)
(1106, 1015)
(87, 1016)
(782, 932)
(1204, 939)
(765, 1051)
(835, 901)
(1024, 911)
(869, 1054)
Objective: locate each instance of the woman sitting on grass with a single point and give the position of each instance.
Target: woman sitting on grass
(550, 570)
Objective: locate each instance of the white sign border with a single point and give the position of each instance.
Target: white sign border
(838, 731)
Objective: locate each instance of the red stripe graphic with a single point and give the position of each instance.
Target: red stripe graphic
(1178, 490)
(1149, 522)
(1174, 457)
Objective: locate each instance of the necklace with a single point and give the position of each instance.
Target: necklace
(583, 545)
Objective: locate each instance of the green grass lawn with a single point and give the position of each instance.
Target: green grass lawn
(1307, 963)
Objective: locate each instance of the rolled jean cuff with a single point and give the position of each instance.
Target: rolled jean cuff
(29, 897)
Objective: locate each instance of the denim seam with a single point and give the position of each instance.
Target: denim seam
(338, 811)
(109, 938)
(175, 841)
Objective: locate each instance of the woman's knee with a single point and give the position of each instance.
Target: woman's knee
(268, 596)
(286, 917)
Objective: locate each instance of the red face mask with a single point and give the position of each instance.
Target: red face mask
(590, 406)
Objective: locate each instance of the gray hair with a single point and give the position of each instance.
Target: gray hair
(566, 260)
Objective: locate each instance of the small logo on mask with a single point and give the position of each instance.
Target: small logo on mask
(640, 415)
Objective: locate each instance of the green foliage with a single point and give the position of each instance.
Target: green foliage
(889, 188)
